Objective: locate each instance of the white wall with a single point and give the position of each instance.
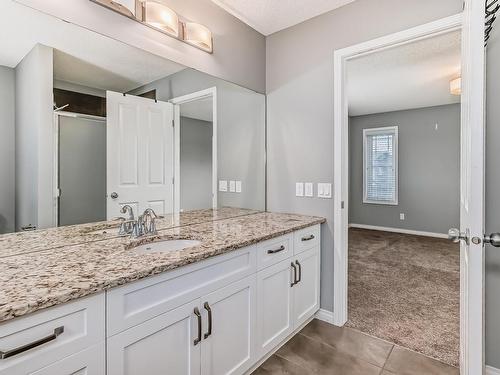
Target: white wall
(239, 50)
(300, 101)
(34, 139)
(7, 149)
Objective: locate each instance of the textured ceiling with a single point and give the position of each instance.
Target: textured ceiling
(413, 75)
(270, 16)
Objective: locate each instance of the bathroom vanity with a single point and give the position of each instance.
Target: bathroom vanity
(219, 307)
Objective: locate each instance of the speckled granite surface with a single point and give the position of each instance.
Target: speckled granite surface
(27, 242)
(35, 280)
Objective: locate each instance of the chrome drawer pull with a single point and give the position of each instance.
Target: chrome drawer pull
(309, 238)
(34, 344)
(198, 315)
(209, 310)
(281, 248)
(299, 279)
(294, 274)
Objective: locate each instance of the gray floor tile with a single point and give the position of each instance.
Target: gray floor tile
(406, 362)
(350, 341)
(279, 366)
(324, 359)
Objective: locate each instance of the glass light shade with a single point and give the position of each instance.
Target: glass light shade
(456, 86)
(198, 35)
(161, 17)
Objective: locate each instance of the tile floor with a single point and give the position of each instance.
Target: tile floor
(321, 348)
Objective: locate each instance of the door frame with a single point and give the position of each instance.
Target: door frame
(472, 321)
(198, 95)
(55, 156)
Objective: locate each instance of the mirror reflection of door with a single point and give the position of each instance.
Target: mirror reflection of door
(140, 154)
(82, 169)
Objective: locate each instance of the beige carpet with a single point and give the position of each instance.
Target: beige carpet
(406, 289)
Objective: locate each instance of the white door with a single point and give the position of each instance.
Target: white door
(472, 191)
(274, 306)
(228, 348)
(90, 361)
(140, 154)
(306, 289)
(162, 345)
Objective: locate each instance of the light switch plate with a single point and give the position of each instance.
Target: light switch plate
(222, 185)
(299, 189)
(238, 186)
(232, 186)
(324, 190)
(309, 190)
(401, 216)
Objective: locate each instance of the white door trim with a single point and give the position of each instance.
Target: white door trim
(198, 95)
(472, 321)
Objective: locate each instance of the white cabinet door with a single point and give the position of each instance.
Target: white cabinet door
(159, 346)
(274, 306)
(140, 154)
(306, 290)
(90, 361)
(229, 347)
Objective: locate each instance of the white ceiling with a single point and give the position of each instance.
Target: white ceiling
(270, 16)
(82, 57)
(414, 75)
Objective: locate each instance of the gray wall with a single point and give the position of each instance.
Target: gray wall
(239, 51)
(34, 139)
(82, 170)
(240, 132)
(428, 165)
(493, 199)
(300, 101)
(196, 164)
(7, 150)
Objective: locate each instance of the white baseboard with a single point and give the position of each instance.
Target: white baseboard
(399, 230)
(325, 315)
(492, 370)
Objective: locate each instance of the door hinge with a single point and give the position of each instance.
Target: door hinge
(173, 180)
(342, 205)
(173, 123)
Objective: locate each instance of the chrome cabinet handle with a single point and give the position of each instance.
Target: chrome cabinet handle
(198, 315)
(34, 344)
(308, 238)
(209, 310)
(281, 248)
(300, 272)
(294, 274)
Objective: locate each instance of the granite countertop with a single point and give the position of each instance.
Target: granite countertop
(31, 281)
(43, 239)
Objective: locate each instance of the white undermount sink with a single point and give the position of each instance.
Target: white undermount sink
(165, 246)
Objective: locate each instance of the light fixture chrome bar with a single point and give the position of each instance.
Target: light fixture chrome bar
(140, 16)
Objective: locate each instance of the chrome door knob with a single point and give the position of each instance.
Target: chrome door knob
(455, 235)
(493, 239)
(114, 195)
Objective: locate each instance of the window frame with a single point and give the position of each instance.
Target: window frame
(374, 131)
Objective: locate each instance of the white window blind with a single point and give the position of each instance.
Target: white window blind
(380, 174)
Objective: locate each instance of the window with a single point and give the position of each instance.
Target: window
(380, 165)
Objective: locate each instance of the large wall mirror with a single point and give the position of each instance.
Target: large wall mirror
(90, 124)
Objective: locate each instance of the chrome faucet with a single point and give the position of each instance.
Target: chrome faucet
(145, 224)
(127, 225)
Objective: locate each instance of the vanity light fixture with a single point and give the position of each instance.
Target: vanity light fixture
(198, 35)
(159, 16)
(456, 86)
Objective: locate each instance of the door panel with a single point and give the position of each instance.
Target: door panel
(230, 347)
(306, 291)
(162, 345)
(274, 306)
(472, 190)
(140, 152)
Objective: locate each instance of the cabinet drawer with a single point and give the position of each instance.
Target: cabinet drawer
(137, 302)
(54, 333)
(274, 250)
(306, 238)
